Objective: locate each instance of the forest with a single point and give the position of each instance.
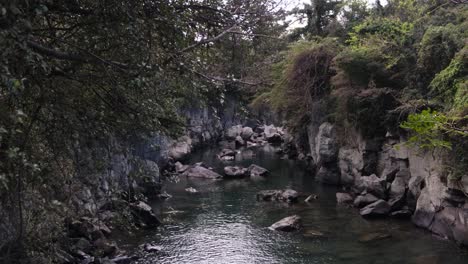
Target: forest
(84, 81)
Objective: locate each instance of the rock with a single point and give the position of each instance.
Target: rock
(164, 196)
(313, 234)
(397, 203)
(226, 153)
(372, 184)
(371, 237)
(400, 183)
(239, 142)
(326, 144)
(151, 248)
(181, 168)
(454, 197)
(247, 133)
(124, 259)
(363, 200)
(255, 170)
(310, 198)
(376, 209)
(288, 224)
(402, 214)
(201, 172)
(144, 215)
(235, 172)
(289, 196)
(191, 190)
(344, 198)
(105, 247)
(181, 148)
(328, 176)
(82, 244)
(227, 158)
(233, 132)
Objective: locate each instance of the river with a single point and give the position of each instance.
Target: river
(223, 223)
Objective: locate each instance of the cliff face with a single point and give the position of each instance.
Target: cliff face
(412, 181)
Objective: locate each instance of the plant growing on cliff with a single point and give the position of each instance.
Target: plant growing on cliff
(431, 129)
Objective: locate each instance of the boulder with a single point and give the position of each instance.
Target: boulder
(396, 203)
(344, 198)
(372, 184)
(247, 133)
(239, 142)
(181, 168)
(255, 170)
(233, 132)
(400, 183)
(144, 215)
(310, 198)
(181, 148)
(274, 138)
(201, 172)
(288, 195)
(288, 224)
(235, 172)
(328, 175)
(363, 200)
(105, 247)
(376, 209)
(227, 154)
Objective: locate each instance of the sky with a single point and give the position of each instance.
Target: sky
(290, 4)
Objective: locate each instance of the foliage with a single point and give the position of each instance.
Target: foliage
(78, 76)
(302, 78)
(450, 85)
(431, 129)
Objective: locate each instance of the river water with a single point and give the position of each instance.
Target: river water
(223, 223)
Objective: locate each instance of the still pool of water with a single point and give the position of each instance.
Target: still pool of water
(223, 223)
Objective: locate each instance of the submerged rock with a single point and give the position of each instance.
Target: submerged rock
(235, 172)
(313, 234)
(376, 209)
(371, 237)
(310, 198)
(288, 195)
(288, 224)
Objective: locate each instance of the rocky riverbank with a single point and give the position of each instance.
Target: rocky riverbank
(383, 177)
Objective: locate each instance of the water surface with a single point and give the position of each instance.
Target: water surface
(223, 223)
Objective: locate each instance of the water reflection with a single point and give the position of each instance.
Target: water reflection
(223, 223)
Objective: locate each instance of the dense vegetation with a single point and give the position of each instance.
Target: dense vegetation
(80, 78)
(379, 68)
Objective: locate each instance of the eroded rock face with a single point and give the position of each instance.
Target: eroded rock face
(288, 224)
(327, 145)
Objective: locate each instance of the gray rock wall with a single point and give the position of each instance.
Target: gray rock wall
(412, 180)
